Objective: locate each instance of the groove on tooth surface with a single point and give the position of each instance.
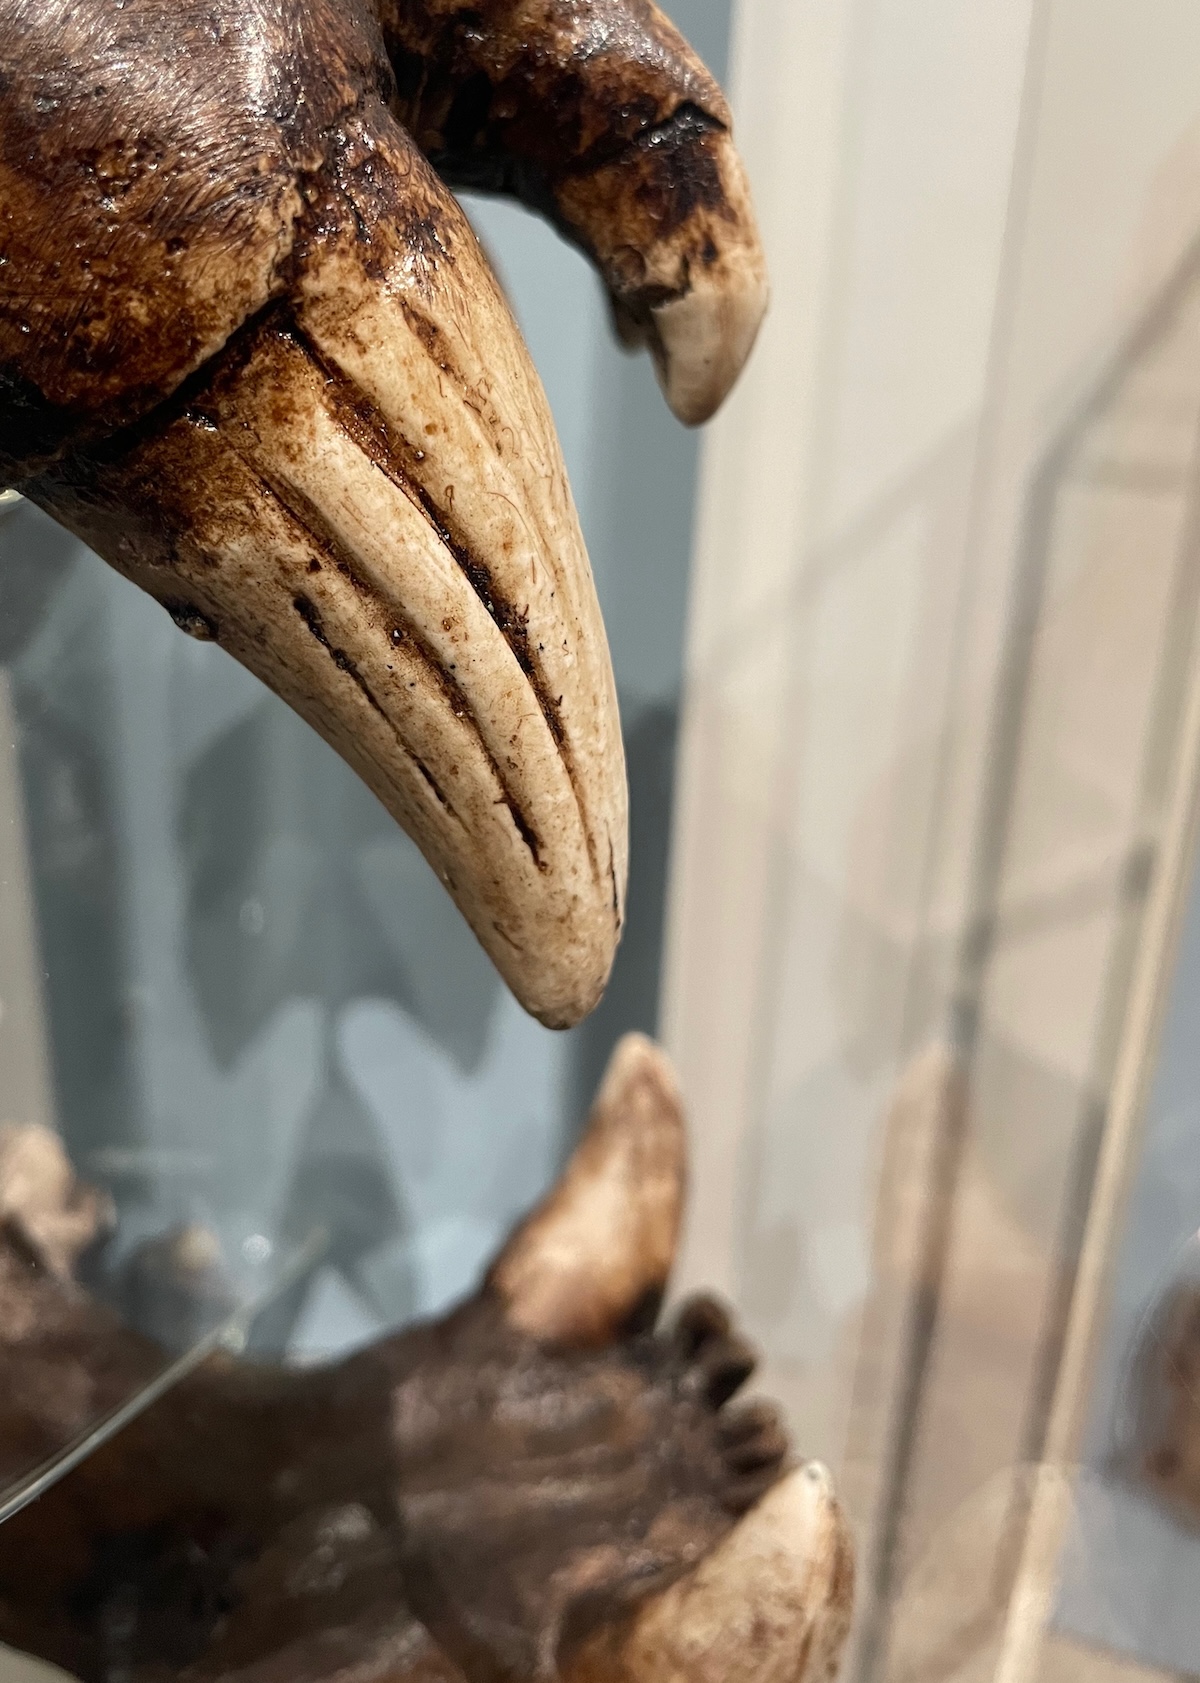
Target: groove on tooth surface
(380, 545)
(455, 383)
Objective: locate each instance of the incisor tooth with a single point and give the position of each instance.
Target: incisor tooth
(363, 500)
(603, 118)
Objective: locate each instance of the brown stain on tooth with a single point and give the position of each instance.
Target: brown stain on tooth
(361, 420)
(594, 1256)
(603, 120)
(309, 523)
(193, 621)
(400, 460)
(344, 663)
(432, 781)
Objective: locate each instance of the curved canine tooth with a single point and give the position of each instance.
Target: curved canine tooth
(770, 1604)
(701, 339)
(598, 1250)
(390, 544)
(382, 548)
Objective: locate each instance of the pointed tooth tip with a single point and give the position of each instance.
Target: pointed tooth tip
(562, 995)
(702, 338)
(598, 1250)
(705, 338)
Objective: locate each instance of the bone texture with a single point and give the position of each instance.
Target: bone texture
(258, 361)
(596, 1254)
(364, 501)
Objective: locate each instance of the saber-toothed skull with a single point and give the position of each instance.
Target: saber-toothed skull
(251, 352)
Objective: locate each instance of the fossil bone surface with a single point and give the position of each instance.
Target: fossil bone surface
(462, 1499)
(251, 351)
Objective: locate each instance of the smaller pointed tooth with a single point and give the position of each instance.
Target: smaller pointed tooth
(771, 1604)
(691, 285)
(700, 344)
(701, 340)
(596, 1253)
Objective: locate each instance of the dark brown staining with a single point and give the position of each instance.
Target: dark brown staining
(431, 780)
(361, 417)
(503, 1492)
(484, 89)
(468, 114)
(170, 140)
(177, 142)
(679, 173)
(188, 617)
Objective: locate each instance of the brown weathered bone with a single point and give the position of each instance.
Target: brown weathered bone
(251, 351)
(601, 117)
(460, 1499)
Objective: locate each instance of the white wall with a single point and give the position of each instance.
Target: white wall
(925, 719)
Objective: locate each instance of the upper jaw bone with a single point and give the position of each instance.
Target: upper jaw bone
(365, 503)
